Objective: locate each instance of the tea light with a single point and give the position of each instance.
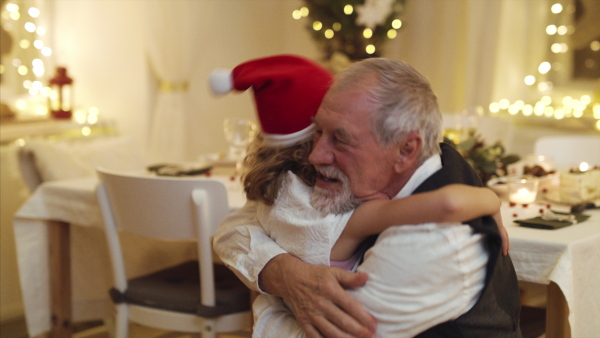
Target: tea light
(522, 191)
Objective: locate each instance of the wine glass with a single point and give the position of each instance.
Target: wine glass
(238, 134)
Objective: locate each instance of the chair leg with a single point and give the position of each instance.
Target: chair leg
(122, 321)
(208, 329)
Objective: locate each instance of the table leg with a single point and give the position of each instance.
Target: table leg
(60, 279)
(557, 313)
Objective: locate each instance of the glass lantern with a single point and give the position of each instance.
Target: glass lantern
(61, 98)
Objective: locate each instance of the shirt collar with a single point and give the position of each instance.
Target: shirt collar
(428, 168)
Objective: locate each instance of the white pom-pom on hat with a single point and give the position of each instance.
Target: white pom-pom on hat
(221, 81)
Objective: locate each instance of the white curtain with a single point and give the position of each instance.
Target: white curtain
(172, 47)
(474, 51)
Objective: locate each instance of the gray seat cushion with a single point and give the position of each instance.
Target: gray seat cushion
(177, 289)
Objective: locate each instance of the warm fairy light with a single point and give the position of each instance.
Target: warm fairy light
(544, 67)
(40, 31)
(559, 114)
(513, 109)
(80, 116)
(367, 33)
(348, 9)
(24, 43)
(33, 12)
(527, 110)
(12, 8)
(584, 166)
(503, 104)
(39, 44)
(86, 131)
(547, 100)
(329, 33)
(391, 34)
(494, 107)
(595, 45)
(598, 124)
(556, 8)
(41, 110)
(22, 70)
(529, 80)
(556, 48)
(46, 51)
(21, 104)
(304, 11)
(30, 27)
(300, 13)
(585, 99)
(336, 26)
(544, 86)
(577, 113)
(551, 29)
(538, 110)
(370, 49)
(396, 24)
(562, 30)
(317, 25)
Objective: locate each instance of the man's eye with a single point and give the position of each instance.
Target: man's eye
(339, 140)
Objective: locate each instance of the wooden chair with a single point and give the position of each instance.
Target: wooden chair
(197, 296)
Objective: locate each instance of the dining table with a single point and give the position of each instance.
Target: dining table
(62, 279)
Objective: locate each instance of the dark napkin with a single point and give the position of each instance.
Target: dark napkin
(539, 223)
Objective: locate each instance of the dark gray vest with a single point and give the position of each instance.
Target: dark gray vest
(496, 313)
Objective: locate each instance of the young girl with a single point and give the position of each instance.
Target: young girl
(278, 181)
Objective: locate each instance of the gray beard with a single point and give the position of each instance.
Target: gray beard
(333, 201)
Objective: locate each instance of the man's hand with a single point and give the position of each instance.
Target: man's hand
(317, 297)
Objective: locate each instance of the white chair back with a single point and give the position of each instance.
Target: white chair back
(166, 208)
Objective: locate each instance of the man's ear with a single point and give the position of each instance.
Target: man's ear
(408, 152)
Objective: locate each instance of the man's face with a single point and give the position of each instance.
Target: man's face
(344, 143)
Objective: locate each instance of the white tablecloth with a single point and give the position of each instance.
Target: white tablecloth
(569, 257)
(74, 201)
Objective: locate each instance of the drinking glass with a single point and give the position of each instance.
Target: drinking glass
(238, 134)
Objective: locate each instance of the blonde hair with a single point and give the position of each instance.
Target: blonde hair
(265, 167)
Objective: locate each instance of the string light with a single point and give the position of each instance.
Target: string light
(546, 107)
(29, 54)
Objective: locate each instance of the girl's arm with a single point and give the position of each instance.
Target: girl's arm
(451, 203)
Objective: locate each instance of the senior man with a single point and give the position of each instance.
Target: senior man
(379, 126)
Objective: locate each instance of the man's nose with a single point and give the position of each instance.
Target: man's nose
(321, 153)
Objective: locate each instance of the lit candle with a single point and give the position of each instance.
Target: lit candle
(523, 191)
(523, 195)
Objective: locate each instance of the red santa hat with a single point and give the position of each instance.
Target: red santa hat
(288, 91)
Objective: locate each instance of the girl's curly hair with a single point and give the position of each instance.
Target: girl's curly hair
(265, 166)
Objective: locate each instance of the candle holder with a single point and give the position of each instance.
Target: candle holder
(523, 190)
(60, 100)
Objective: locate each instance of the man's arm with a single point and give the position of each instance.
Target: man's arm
(317, 296)
(315, 293)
